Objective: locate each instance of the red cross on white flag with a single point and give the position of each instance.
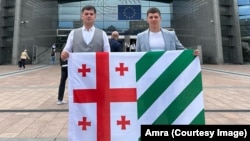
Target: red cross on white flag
(102, 97)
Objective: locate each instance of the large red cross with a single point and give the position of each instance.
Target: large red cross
(103, 95)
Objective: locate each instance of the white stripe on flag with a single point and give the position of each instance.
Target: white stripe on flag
(171, 93)
(188, 115)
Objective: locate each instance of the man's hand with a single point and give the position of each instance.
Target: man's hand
(64, 55)
(196, 52)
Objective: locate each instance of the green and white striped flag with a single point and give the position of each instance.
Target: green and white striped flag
(169, 88)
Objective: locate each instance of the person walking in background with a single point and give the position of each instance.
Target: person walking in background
(23, 57)
(53, 46)
(156, 38)
(53, 54)
(87, 38)
(64, 76)
(115, 45)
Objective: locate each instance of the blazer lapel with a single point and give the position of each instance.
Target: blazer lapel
(147, 41)
(166, 38)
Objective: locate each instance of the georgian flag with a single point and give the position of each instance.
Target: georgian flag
(112, 94)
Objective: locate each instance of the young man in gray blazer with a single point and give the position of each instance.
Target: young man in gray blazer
(156, 38)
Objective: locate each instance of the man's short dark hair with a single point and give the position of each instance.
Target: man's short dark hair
(154, 10)
(89, 7)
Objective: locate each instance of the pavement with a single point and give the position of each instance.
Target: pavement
(28, 109)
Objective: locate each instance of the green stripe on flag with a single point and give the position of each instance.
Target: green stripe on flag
(146, 62)
(181, 102)
(163, 82)
(199, 119)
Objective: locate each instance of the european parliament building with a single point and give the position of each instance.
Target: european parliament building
(221, 28)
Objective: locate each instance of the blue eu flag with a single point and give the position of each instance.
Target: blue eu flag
(129, 12)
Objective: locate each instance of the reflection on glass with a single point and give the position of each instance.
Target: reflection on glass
(244, 14)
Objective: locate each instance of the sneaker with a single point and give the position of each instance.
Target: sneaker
(64, 102)
(61, 102)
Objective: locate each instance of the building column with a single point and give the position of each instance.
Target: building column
(16, 34)
(217, 30)
(238, 57)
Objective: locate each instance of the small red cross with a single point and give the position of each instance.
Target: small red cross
(122, 69)
(84, 123)
(123, 122)
(84, 70)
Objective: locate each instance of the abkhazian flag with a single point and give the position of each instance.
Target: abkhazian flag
(112, 94)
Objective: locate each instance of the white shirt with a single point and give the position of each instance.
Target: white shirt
(156, 41)
(132, 46)
(87, 37)
(53, 46)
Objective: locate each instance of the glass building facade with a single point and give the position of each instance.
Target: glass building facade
(244, 14)
(219, 27)
(108, 16)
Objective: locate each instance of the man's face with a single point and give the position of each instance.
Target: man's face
(153, 19)
(88, 16)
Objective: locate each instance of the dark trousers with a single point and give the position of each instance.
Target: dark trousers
(23, 62)
(64, 75)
